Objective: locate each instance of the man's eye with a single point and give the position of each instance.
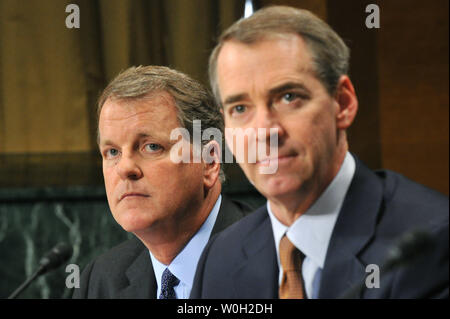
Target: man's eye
(238, 109)
(289, 97)
(152, 147)
(112, 152)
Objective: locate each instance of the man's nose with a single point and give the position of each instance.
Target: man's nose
(128, 168)
(267, 125)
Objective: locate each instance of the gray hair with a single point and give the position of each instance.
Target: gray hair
(329, 52)
(192, 100)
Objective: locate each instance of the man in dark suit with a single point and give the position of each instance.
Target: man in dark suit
(329, 221)
(158, 186)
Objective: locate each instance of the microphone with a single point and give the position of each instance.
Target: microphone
(52, 260)
(409, 248)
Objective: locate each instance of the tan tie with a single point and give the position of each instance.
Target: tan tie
(291, 260)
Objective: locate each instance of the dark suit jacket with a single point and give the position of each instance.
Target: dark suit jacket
(126, 270)
(379, 206)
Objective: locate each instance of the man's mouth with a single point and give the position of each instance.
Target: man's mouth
(280, 160)
(132, 195)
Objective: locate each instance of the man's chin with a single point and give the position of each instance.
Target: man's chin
(275, 187)
(132, 224)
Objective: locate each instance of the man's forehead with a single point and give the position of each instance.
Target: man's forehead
(159, 103)
(143, 116)
(273, 63)
(285, 51)
(288, 37)
(149, 99)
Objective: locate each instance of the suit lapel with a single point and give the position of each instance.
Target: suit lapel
(141, 278)
(257, 274)
(354, 228)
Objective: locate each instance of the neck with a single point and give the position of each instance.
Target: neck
(288, 207)
(168, 238)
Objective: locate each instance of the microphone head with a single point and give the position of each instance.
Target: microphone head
(56, 257)
(410, 246)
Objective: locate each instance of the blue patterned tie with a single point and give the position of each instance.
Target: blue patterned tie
(168, 281)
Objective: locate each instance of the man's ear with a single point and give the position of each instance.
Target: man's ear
(211, 156)
(347, 101)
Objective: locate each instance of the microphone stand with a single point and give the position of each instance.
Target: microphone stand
(27, 282)
(53, 259)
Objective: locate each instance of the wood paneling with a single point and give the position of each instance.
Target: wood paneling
(413, 89)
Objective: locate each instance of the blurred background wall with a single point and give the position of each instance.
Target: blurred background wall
(51, 186)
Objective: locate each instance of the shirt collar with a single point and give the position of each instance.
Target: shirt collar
(311, 232)
(185, 263)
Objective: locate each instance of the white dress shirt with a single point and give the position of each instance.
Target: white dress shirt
(185, 263)
(311, 232)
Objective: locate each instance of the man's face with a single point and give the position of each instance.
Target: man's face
(144, 187)
(271, 84)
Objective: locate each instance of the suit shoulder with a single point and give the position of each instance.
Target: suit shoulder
(410, 204)
(105, 276)
(120, 256)
(248, 222)
(400, 185)
(232, 237)
(412, 201)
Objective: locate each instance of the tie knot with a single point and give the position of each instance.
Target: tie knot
(290, 256)
(168, 282)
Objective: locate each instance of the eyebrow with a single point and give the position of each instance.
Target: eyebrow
(109, 142)
(286, 87)
(234, 98)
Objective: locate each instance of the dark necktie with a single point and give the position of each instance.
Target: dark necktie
(291, 260)
(168, 282)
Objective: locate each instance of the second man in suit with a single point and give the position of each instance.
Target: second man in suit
(328, 218)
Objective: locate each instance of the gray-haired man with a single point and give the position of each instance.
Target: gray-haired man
(328, 217)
